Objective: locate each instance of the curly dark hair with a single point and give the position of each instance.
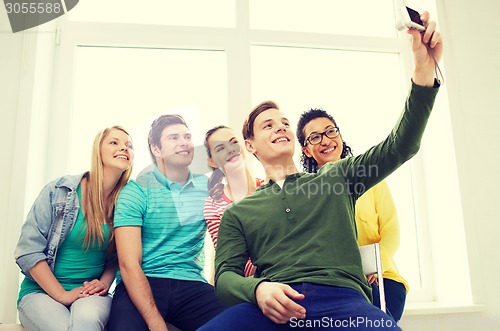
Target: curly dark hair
(308, 163)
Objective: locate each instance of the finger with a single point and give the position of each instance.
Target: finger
(290, 308)
(97, 289)
(276, 317)
(431, 28)
(291, 293)
(436, 39)
(273, 308)
(424, 17)
(416, 38)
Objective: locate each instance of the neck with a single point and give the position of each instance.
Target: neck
(237, 184)
(109, 180)
(278, 171)
(175, 174)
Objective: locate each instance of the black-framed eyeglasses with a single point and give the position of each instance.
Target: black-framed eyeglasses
(317, 137)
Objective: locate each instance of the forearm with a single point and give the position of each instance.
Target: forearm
(232, 288)
(369, 168)
(44, 277)
(109, 274)
(140, 293)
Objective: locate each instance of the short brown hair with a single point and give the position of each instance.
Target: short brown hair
(248, 124)
(154, 137)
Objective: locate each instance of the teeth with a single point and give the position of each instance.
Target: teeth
(329, 150)
(121, 157)
(280, 140)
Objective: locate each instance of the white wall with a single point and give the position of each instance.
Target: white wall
(472, 34)
(10, 69)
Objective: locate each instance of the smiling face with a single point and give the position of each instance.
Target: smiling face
(329, 149)
(176, 147)
(272, 136)
(225, 150)
(117, 151)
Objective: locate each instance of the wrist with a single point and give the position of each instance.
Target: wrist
(423, 77)
(60, 296)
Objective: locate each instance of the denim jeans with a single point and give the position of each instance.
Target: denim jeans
(185, 304)
(395, 297)
(39, 312)
(327, 308)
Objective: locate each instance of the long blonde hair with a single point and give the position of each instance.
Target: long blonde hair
(95, 210)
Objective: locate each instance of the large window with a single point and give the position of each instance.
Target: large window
(133, 86)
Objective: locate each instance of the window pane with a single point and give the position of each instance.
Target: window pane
(362, 17)
(362, 90)
(133, 86)
(214, 13)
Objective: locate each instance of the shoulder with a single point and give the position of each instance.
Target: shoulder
(380, 189)
(133, 185)
(132, 190)
(209, 205)
(200, 179)
(58, 189)
(70, 181)
(335, 167)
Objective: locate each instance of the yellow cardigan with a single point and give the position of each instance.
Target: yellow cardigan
(377, 222)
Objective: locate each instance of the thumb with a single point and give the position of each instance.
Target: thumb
(416, 38)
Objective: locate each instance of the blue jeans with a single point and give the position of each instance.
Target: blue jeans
(327, 308)
(185, 304)
(395, 297)
(39, 312)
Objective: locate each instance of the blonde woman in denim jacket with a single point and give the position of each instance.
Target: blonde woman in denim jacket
(66, 243)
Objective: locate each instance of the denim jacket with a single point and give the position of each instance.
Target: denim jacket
(48, 223)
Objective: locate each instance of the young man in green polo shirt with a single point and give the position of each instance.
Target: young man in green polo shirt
(299, 228)
(159, 231)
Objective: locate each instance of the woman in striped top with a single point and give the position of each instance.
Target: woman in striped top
(226, 157)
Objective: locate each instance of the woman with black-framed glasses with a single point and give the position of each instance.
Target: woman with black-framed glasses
(376, 218)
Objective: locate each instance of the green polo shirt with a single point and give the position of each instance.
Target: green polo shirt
(173, 226)
(306, 230)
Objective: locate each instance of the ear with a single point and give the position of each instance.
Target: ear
(155, 150)
(305, 149)
(250, 147)
(212, 163)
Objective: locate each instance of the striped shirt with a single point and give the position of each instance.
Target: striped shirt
(171, 217)
(213, 211)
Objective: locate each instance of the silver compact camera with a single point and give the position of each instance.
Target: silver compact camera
(409, 19)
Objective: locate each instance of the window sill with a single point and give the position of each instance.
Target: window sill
(439, 308)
